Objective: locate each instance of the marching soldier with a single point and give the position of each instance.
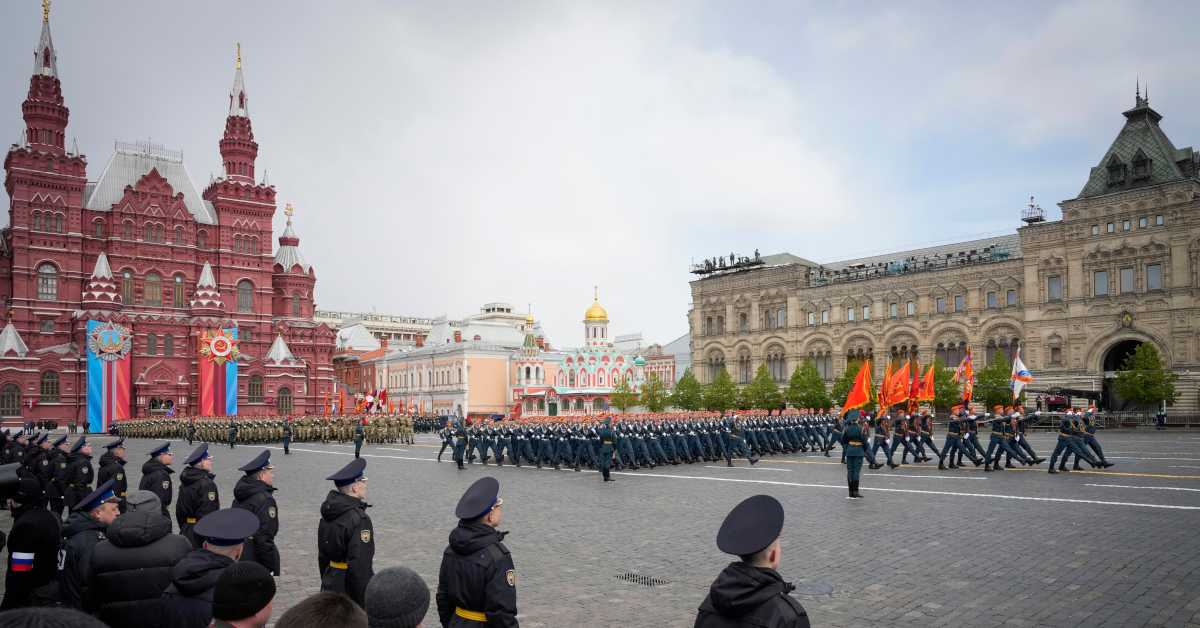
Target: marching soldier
(750, 592)
(156, 475)
(253, 493)
(477, 583)
(607, 442)
(198, 493)
(345, 536)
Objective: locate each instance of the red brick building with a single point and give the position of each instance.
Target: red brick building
(142, 246)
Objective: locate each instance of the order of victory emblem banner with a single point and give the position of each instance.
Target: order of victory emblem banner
(108, 374)
(218, 372)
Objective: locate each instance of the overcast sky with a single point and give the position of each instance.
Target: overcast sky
(442, 155)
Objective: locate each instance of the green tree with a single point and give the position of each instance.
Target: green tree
(1143, 379)
(993, 384)
(946, 391)
(654, 394)
(722, 393)
(806, 389)
(762, 391)
(744, 401)
(688, 393)
(623, 397)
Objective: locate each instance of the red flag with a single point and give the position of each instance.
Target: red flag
(860, 392)
(914, 392)
(884, 387)
(898, 386)
(927, 393)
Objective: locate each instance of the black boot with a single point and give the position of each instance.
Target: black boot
(1053, 470)
(941, 466)
(987, 467)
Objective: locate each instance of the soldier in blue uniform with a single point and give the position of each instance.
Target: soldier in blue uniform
(607, 447)
(477, 582)
(1089, 436)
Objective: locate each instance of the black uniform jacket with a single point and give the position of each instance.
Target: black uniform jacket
(255, 495)
(345, 535)
(156, 478)
(745, 596)
(35, 532)
(81, 535)
(187, 602)
(477, 575)
(113, 468)
(132, 568)
(78, 478)
(198, 496)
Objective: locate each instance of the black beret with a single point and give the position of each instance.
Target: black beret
(751, 526)
(479, 499)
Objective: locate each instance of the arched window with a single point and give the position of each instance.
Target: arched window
(37, 221)
(168, 345)
(245, 296)
(151, 344)
(571, 378)
(127, 287)
(283, 400)
(47, 282)
(202, 239)
(127, 230)
(254, 392)
(179, 234)
(295, 305)
(10, 400)
(98, 228)
(49, 390)
(177, 292)
(152, 290)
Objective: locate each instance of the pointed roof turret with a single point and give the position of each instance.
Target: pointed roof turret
(238, 102)
(280, 353)
(1141, 155)
(11, 342)
(207, 298)
(288, 256)
(100, 292)
(45, 61)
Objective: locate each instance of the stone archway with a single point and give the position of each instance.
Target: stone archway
(1114, 358)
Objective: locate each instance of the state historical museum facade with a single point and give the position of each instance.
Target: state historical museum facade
(143, 248)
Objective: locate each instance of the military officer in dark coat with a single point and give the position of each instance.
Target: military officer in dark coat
(750, 592)
(345, 537)
(854, 440)
(287, 436)
(57, 465)
(477, 583)
(77, 479)
(32, 545)
(253, 492)
(156, 475)
(360, 433)
(608, 441)
(112, 467)
(198, 494)
(84, 530)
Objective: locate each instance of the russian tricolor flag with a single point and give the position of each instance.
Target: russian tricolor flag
(1020, 375)
(22, 561)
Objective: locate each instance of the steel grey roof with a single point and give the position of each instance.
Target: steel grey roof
(130, 162)
(1009, 245)
(1141, 132)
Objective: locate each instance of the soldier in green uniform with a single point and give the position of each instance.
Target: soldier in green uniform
(853, 440)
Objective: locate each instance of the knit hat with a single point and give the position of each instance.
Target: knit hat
(396, 598)
(243, 589)
(138, 501)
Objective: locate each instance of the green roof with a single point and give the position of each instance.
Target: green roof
(1141, 137)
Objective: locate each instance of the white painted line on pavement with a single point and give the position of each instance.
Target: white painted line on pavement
(1140, 458)
(922, 477)
(1182, 466)
(713, 466)
(389, 449)
(1061, 500)
(1149, 488)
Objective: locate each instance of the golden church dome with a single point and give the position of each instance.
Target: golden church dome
(596, 312)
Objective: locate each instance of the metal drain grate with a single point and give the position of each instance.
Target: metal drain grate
(639, 579)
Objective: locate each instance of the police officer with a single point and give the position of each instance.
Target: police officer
(750, 592)
(32, 544)
(188, 600)
(112, 467)
(253, 493)
(156, 475)
(77, 479)
(853, 443)
(477, 583)
(84, 530)
(345, 536)
(57, 467)
(198, 494)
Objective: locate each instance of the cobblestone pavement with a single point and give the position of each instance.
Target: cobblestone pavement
(925, 548)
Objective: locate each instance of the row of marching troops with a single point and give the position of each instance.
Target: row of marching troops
(376, 428)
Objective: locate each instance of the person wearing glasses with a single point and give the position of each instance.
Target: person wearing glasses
(345, 537)
(477, 583)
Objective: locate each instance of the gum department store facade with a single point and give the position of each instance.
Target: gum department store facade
(1121, 267)
(143, 247)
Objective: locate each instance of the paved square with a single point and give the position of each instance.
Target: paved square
(925, 548)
